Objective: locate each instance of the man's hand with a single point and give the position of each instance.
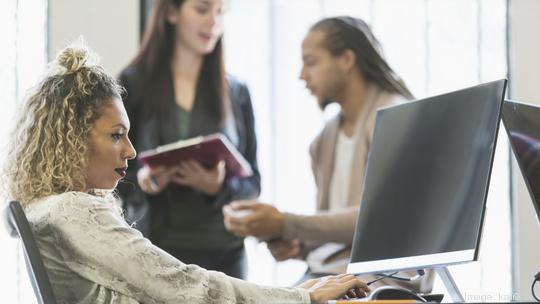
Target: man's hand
(283, 250)
(263, 221)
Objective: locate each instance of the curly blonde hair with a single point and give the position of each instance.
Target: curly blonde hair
(48, 150)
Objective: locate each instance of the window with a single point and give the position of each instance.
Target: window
(22, 59)
(435, 46)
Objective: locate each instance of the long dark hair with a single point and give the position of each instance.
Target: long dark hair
(342, 33)
(154, 58)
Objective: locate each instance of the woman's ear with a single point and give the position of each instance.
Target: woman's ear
(171, 14)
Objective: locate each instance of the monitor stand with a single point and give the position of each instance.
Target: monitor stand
(450, 284)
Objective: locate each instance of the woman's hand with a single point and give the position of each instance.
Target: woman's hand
(335, 287)
(153, 180)
(191, 173)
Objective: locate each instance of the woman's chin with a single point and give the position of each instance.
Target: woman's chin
(108, 187)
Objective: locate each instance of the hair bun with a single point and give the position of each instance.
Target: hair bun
(74, 57)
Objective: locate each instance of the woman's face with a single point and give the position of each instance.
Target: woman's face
(198, 23)
(109, 147)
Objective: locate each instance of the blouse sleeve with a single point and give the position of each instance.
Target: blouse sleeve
(99, 245)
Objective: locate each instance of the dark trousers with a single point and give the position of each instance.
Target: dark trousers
(232, 262)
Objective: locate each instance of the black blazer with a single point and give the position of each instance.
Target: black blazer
(147, 133)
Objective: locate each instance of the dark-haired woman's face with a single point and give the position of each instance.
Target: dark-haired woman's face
(109, 147)
(323, 73)
(198, 24)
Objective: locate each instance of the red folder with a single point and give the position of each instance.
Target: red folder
(208, 150)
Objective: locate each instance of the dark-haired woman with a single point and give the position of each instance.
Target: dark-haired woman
(177, 89)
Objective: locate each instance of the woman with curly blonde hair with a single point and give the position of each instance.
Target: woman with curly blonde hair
(71, 140)
(50, 138)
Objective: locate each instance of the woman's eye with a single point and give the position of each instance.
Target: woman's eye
(202, 9)
(117, 136)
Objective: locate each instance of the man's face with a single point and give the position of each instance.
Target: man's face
(323, 73)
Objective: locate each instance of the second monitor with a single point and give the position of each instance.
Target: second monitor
(522, 122)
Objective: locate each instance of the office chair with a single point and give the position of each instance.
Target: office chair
(34, 264)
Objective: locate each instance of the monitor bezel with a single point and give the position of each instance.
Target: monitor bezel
(413, 262)
(437, 259)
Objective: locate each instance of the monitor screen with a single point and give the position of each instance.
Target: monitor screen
(522, 124)
(427, 180)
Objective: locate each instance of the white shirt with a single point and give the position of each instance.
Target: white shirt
(341, 175)
(338, 196)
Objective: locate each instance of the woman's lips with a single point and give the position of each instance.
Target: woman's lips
(206, 37)
(121, 171)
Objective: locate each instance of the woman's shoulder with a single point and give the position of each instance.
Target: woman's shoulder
(73, 214)
(238, 89)
(66, 204)
(77, 198)
(130, 75)
(131, 79)
(234, 81)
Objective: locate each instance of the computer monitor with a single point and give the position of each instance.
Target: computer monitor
(522, 122)
(427, 181)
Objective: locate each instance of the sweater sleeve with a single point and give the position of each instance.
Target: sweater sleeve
(323, 227)
(97, 244)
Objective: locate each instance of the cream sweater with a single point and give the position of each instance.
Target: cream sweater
(93, 256)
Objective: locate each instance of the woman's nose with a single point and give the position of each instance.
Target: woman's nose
(131, 153)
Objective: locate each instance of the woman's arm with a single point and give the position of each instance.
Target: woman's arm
(97, 244)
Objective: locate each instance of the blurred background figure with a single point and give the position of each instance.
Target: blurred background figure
(177, 88)
(342, 64)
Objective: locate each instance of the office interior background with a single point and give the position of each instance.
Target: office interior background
(436, 46)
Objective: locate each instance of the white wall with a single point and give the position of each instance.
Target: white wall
(525, 82)
(111, 28)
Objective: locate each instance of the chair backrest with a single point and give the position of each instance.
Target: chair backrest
(34, 263)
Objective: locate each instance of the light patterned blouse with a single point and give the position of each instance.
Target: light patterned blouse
(93, 256)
